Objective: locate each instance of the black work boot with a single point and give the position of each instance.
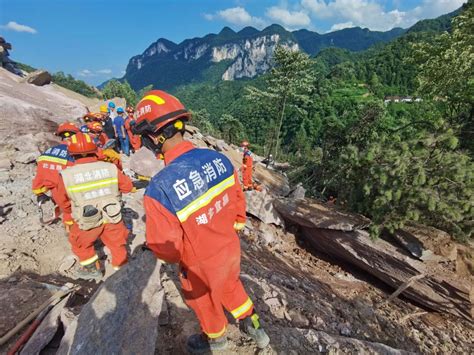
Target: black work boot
(90, 272)
(200, 344)
(251, 326)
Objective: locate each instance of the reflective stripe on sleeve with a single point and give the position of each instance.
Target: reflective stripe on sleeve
(52, 159)
(92, 185)
(205, 199)
(242, 309)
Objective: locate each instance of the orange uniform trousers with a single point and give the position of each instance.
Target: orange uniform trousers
(247, 176)
(213, 285)
(114, 236)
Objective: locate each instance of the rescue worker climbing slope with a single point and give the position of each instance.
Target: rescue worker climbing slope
(91, 192)
(194, 207)
(247, 166)
(51, 162)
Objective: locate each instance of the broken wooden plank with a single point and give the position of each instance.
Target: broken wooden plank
(46, 330)
(440, 290)
(122, 316)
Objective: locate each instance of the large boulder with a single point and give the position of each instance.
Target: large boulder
(122, 316)
(144, 162)
(260, 205)
(39, 78)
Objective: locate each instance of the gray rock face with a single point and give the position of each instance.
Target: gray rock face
(122, 316)
(39, 78)
(260, 205)
(143, 162)
(298, 193)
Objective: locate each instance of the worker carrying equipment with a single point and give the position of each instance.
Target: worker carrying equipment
(50, 163)
(194, 206)
(247, 166)
(90, 192)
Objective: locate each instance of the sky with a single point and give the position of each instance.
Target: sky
(94, 39)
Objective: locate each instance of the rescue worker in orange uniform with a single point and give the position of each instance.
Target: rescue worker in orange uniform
(96, 131)
(90, 191)
(247, 167)
(135, 140)
(51, 162)
(194, 208)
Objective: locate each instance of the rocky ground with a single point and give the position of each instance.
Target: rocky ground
(308, 302)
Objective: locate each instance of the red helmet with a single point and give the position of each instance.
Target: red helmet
(156, 109)
(67, 129)
(95, 127)
(81, 143)
(245, 144)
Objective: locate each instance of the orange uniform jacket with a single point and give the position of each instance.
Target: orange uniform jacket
(191, 207)
(247, 172)
(192, 204)
(50, 163)
(135, 140)
(124, 183)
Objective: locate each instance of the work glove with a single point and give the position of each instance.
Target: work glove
(42, 198)
(239, 226)
(140, 184)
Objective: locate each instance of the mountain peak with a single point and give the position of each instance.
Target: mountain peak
(226, 31)
(275, 28)
(248, 31)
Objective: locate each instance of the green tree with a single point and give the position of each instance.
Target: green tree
(115, 88)
(79, 86)
(287, 86)
(201, 119)
(446, 72)
(231, 128)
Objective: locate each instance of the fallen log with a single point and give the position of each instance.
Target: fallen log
(440, 290)
(122, 316)
(45, 331)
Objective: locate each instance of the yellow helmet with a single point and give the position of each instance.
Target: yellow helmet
(104, 109)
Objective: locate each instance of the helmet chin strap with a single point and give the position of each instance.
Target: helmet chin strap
(155, 143)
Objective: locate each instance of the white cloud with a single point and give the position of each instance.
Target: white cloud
(288, 18)
(85, 73)
(371, 13)
(14, 26)
(340, 26)
(89, 73)
(104, 71)
(237, 16)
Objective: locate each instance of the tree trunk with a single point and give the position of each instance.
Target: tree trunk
(282, 115)
(338, 235)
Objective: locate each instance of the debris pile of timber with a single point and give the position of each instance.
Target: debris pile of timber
(341, 235)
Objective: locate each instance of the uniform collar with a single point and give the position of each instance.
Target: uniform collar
(178, 150)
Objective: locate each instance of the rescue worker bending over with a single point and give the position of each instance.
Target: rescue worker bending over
(91, 192)
(96, 131)
(51, 162)
(194, 207)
